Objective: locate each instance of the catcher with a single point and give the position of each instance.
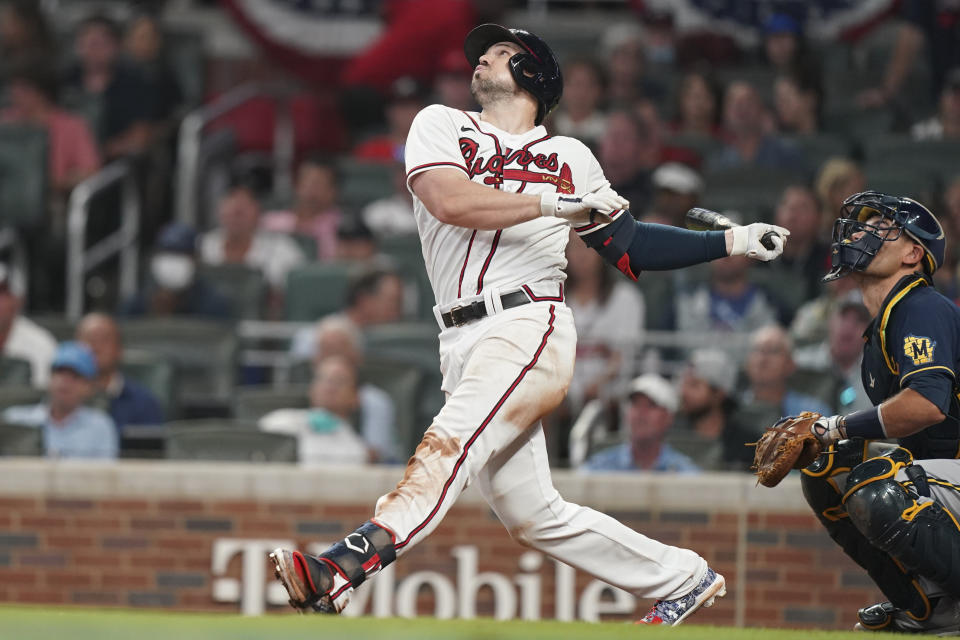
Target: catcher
(893, 509)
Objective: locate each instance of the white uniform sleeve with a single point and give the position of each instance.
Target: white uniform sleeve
(432, 142)
(596, 181)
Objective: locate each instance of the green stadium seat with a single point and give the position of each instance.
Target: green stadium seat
(204, 355)
(244, 286)
(818, 148)
(404, 383)
(15, 371)
(406, 254)
(18, 395)
(940, 158)
(62, 327)
(231, 445)
(751, 191)
(903, 180)
(855, 123)
(23, 175)
(363, 182)
(252, 403)
(20, 440)
(185, 53)
(316, 290)
(154, 371)
(209, 424)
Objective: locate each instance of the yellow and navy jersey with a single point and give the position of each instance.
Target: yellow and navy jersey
(914, 342)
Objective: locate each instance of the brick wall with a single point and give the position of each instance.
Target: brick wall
(145, 535)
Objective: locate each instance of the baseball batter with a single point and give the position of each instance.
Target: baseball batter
(494, 196)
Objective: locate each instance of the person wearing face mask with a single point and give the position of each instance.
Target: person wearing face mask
(175, 288)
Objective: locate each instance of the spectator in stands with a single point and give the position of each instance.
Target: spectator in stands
(355, 241)
(948, 282)
(650, 407)
(71, 150)
(811, 320)
(337, 336)
(946, 123)
(144, 46)
(239, 240)
(102, 83)
(785, 48)
(750, 142)
(802, 266)
(21, 337)
(676, 188)
(128, 402)
(25, 33)
(706, 407)
(175, 288)
(406, 100)
(838, 179)
(728, 301)
(392, 216)
(325, 433)
(929, 25)
(70, 429)
(698, 106)
(451, 87)
(609, 315)
(798, 97)
(315, 213)
(769, 366)
(836, 360)
(622, 49)
(374, 297)
(628, 156)
(580, 115)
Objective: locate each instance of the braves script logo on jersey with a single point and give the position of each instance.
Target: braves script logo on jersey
(497, 166)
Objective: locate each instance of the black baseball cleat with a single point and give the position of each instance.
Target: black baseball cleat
(306, 579)
(944, 620)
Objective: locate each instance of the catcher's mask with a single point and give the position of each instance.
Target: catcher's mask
(855, 242)
(535, 68)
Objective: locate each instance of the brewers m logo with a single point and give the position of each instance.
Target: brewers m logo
(919, 349)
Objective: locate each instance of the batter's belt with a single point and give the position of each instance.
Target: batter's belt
(462, 314)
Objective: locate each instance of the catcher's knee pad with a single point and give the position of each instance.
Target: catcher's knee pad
(823, 481)
(922, 536)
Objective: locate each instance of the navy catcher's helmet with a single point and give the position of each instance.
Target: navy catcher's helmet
(535, 69)
(851, 253)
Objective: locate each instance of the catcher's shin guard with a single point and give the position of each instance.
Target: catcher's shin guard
(922, 536)
(823, 485)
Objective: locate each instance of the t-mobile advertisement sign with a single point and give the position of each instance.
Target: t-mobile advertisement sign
(519, 595)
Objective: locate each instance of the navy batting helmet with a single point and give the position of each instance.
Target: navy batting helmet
(855, 242)
(535, 68)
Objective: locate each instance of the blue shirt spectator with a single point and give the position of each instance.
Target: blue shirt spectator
(620, 458)
(128, 401)
(651, 405)
(70, 430)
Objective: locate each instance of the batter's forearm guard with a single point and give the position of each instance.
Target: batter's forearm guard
(633, 246)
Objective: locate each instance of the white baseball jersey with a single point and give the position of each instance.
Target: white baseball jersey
(461, 262)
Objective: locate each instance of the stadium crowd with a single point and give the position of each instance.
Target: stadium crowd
(674, 373)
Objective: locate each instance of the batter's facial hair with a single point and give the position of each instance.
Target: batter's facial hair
(489, 91)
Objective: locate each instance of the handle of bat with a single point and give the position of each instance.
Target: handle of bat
(767, 240)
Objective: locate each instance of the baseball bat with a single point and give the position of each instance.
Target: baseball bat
(701, 219)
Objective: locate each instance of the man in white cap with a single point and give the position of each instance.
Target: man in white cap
(676, 189)
(706, 404)
(650, 408)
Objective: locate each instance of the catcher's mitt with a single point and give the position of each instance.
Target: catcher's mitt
(789, 444)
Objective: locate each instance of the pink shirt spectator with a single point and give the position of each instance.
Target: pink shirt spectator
(323, 227)
(72, 152)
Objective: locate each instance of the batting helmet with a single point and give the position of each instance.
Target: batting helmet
(855, 242)
(535, 68)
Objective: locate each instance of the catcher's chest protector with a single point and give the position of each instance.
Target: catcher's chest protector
(885, 352)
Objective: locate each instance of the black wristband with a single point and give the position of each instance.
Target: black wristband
(865, 424)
